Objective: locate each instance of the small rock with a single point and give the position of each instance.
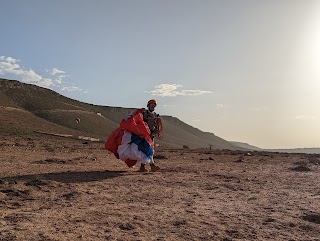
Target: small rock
(239, 160)
(180, 222)
(126, 226)
(301, 169)
(36, 183)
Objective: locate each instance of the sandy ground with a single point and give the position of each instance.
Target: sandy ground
(60, 189)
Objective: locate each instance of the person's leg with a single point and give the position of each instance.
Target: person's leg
(143, 168)
(153, 166)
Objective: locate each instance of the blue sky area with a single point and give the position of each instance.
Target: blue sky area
(245, 70)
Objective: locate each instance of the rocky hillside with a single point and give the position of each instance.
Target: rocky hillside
(26, 108)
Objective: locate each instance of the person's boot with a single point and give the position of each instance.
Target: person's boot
(154, 168)
(143, 168)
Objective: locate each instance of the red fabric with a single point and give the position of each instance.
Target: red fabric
(114, 140)
(130, 163)
(137, 126)
(133, 124)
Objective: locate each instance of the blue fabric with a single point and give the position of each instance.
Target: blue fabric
(142, 144)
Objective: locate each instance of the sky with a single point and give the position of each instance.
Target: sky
(244, 70)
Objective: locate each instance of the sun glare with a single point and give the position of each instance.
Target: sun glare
(309, 49)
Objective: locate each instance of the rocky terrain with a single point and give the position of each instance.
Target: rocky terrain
(54, 188)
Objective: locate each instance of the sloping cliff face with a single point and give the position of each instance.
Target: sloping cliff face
(97, 121)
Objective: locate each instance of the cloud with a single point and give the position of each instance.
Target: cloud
(59, 79)
(30, 76)
(55, 71)
(170, 106)
(195, 120)
(305, 117)
(11, 60)
(45, 82)
(8, 59)
(9, 66)
(259, 108)
(71, 88)
(164, 90)
(219, 106)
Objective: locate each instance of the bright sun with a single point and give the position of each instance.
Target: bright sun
(307, 58)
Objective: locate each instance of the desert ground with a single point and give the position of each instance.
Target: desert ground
(63, 189)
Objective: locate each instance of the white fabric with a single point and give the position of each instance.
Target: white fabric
(129, 150)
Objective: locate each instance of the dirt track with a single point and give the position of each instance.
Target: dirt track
(60, 189)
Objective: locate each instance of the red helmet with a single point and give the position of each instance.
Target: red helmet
(152, 101)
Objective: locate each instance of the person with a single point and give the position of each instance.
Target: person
(150, 118)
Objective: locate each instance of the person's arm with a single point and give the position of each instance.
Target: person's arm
(145, 115)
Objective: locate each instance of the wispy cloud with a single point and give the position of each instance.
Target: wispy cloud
(219, 106)
(55, 71)
(59, 79)
(195, 120)
(305, 117)
(174, 90)
(71, 88)
(9, 66)
(170, 106)
(259, 108)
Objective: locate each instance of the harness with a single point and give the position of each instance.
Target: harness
(155, 120)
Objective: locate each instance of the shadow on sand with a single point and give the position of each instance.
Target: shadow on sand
(69, 177)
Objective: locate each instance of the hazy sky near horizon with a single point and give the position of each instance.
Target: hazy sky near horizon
(244, 70)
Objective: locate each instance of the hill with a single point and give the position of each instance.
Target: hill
(26, 108)
(247, 146)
